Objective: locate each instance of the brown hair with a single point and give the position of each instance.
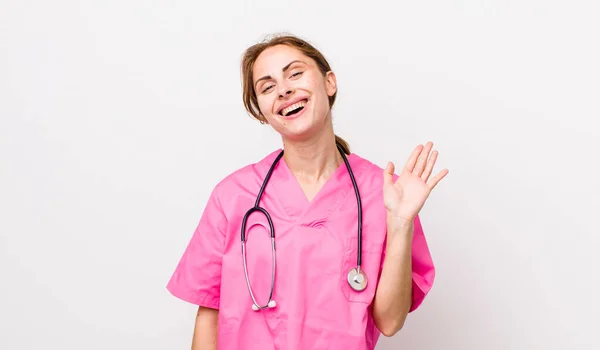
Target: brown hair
(252, 53)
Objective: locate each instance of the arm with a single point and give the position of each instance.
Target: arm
(197, 277)
(404, 196)
(393, 298)
(205, 329)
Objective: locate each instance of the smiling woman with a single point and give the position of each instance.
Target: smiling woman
(337, 255)
(308, 66)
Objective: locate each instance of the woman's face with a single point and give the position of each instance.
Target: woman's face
(293, 95)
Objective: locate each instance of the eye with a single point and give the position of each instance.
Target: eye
(267, 88)
(296, 74)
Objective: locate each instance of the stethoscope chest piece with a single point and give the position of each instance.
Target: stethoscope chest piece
(357, 279)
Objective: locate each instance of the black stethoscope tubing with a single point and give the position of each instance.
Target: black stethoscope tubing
(257, 207)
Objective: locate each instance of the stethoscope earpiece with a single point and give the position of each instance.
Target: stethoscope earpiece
(271, 304)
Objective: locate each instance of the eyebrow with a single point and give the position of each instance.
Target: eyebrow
(283, 70)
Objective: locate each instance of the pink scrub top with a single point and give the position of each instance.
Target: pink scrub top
(316, 244)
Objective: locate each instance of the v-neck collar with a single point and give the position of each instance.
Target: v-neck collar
(286, 188)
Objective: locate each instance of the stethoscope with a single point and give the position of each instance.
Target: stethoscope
(357, 279)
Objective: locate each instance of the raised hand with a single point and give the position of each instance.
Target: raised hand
(405, 197)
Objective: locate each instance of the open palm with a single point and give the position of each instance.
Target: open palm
(405, 197)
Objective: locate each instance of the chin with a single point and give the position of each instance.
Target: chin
(299, 132)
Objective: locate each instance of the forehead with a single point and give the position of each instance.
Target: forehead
(272, 60)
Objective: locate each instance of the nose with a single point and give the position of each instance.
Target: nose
(285, 91)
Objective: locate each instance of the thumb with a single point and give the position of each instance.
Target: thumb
(388, 173)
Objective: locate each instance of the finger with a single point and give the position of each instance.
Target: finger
(436, 179)
(412, 160)
(429, 166)
(422, 160)
(388, 173)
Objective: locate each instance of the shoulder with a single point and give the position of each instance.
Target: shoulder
(244, 176)
(365, 165)
(369, 170)
(365, 171)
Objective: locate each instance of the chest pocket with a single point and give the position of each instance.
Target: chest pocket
(371, 263)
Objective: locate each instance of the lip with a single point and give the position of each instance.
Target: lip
(297, 115)
(291, 102)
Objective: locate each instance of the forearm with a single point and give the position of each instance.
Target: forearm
(205, 329)
(394, 291)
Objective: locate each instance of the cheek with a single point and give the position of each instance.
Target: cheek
(264, 104)
(315, 84)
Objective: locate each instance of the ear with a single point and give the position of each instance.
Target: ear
(330, 83)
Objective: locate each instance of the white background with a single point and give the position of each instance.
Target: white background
(118, 118)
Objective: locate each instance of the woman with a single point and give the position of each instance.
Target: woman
(321, 297)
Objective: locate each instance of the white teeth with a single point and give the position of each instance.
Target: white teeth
(294, 106)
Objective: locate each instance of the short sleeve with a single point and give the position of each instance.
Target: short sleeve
(197, 276)
(422, 265)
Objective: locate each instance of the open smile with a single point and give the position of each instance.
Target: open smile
(294, 110)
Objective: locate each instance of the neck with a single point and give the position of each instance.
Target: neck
(313, 160)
